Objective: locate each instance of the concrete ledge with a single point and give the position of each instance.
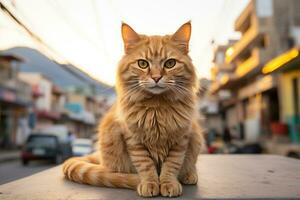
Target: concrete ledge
(220, 177)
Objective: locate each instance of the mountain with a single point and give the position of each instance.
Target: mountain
(98, 86)
(65, 76)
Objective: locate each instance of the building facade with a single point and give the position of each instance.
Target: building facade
(257, 95)
(14, 100)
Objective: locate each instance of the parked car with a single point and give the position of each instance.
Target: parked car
(43, 146)
(82, 146)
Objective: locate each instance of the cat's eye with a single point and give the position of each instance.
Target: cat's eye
(170, 63)
(143, 64)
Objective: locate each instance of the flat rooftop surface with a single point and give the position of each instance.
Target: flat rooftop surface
(220, 177)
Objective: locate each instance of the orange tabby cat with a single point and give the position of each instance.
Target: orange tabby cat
(150, 139)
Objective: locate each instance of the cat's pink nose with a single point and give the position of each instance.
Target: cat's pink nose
(156, 78)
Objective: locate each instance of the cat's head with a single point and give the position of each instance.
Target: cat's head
(156, 65)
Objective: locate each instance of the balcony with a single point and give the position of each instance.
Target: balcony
(225, 82)
(250, 64)
(23, 91)
(224, 67)
(57, 107)
(248, 41)
(218, 70)
(19, 91)
(243, 21)
(77, 112)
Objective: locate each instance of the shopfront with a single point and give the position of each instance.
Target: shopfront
(287, 66)
(259, 106)
(13, 119)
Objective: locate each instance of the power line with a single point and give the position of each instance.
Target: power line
(94, 43)
(4, 8)
(57, 7)
(215, 27)
(98, 26)
(40, 41)
(32, 35)
(69, 22)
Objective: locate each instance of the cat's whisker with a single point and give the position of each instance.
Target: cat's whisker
(180, 89)
(130, 90)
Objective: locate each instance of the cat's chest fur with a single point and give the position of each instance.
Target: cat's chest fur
(158, 128)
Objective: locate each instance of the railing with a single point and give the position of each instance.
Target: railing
(22, 89)
(244, 43)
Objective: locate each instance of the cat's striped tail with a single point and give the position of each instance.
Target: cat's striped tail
(88, 170)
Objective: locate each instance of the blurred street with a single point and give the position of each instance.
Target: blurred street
(13, 170)
(54, 88)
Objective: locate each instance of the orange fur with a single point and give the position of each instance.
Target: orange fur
(150, 138)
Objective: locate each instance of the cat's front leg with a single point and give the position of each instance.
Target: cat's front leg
(169, 184)
(141, 160)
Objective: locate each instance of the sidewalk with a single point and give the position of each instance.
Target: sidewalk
(9, 155)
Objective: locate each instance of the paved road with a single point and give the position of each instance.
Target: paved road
(13, 170)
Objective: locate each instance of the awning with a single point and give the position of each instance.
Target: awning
(11, 97)
(286, 61)
(11, 57)
(48, 114)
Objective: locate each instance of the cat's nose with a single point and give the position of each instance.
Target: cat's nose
(156, 78)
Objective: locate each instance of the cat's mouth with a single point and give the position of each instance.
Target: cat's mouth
(156, 89)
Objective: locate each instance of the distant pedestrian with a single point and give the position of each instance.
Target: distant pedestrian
(71, 136)
(227, 136)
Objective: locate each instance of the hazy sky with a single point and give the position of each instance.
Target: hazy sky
(87, 32)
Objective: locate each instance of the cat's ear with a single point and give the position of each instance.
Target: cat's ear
(130, 37)
(182, 37)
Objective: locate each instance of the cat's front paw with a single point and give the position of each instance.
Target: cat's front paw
(190, 178)
(148, 189)
(170, 188)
